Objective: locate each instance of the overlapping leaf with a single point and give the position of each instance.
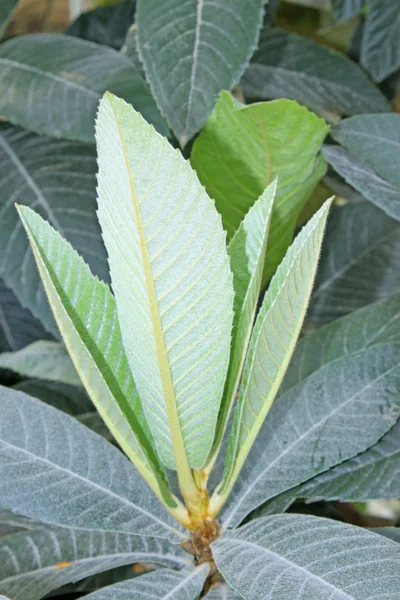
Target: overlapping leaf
(6, 9)
(346, 9)
(171, 278)
(193, 49)
(68, 398)
(222, 592)
(380, 51)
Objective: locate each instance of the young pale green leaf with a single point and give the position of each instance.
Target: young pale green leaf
(380, 49)
(85, 311)
(44, 360)
(45, 559)
(171, 278)
(72, 75)
(272, 344)
(193, 49)
(277, 139)
(6, 9)
(57, 471)
(287, 557)
(163, 584)
(291, 66)
(247, 253)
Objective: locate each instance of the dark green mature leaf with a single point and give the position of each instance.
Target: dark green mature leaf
(380, 52)
(346, 9)
(308, 558)
(291, 66)
(359, 263)
(56, 470)
(193, 49)
(277, 139)
(106, 25)
(393, 533)
(58, 179)
(72, 75)
(40, 561)
(6, 9)
(163, 584)
(130, 49)
(68, 398)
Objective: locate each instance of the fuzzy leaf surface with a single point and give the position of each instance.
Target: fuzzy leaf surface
(380, 50)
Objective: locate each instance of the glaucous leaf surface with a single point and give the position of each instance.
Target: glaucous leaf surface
(272, 343)
(222, 591)
(44, 360)
(163, 584)
(277, 139)
(18, 327)
(346, 9)
(85, 311)
(34, 563)
(359, 262)
(300, 557)
(57, 179)
(55, 470)
(193, 49)
(72, 75)
(380, 51)
(171, 278)
(6, 9)
(291, 66)
(365, 180)
(393, 533)
(246, 253)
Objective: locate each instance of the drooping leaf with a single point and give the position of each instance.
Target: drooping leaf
(291, 66)
(359, 262)
(346, 9)
(274, 337)
(277, 139)
(365, 180)
(193, 49)
(171, 278)
(44, 360)
(55, 470)
(6, 9)
(380, 51)
(56, 178)
(45, 559)
(72, 75)
(85, 311)
(163, 584)
(246, 252)
(308, 558)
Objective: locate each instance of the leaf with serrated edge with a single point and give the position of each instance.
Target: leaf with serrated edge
(380, 49)
(55, 470)
(308, 558)
(171, 278)
(85, 311)
(247, 253)
(272, 344)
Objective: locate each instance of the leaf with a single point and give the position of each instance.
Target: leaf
(57, 178)
(6, 9)
(171, 278)
(347, 9)
(85, 311)
(291, 66)
(374, 139)
(246, 252)
(308, 558)
(359, 262)
(393, 533)
(274, 337)
(380, 51)
(106, 25)
(193, 49)
(72, 75)
(68, 398)
(55, 470)
(277, 139)
(130, 49)
(365, 180)
(43, 560)
(222, 592)
(163, 584)
(44, 360)
(18, 327)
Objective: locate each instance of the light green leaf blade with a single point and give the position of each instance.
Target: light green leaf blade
(6, 9)
(171, 277)
(380, 50)
(44, 360)
(246, 253)
(163, 584)
(85, 311)
(45, 559)
(308, 558)
(55, 470)
(193, 49)
(277, 139)
(72, 75)
(272, 344)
